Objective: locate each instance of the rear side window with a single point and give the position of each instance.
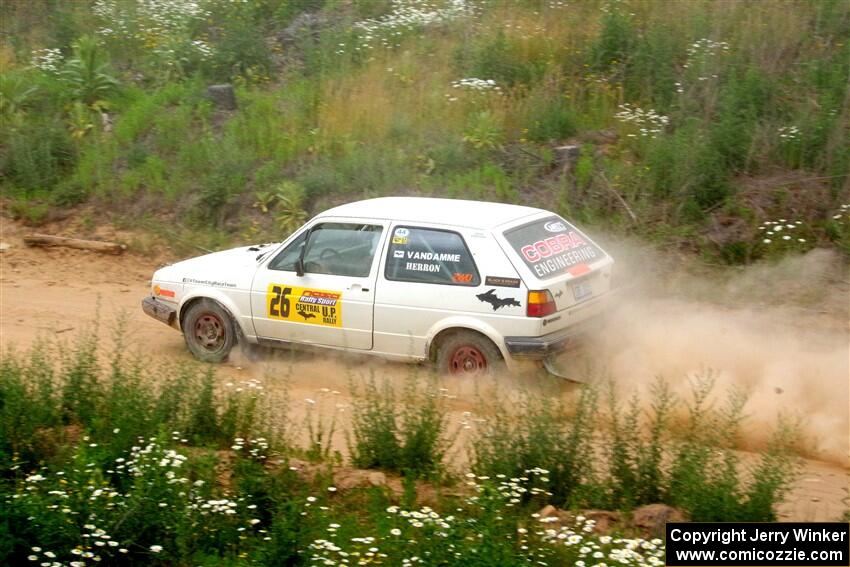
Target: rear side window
(551, 247)
(427, 255)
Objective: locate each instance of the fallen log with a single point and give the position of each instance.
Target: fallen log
(93, 245)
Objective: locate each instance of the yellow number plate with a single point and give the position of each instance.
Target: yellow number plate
(304, 305)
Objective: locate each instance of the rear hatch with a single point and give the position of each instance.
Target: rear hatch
(552, 254)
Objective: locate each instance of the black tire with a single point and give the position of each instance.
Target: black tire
(209, 331)
(467, 353)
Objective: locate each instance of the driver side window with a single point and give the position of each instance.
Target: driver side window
(338, 249)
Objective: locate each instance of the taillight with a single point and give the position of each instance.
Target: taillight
(540, 304)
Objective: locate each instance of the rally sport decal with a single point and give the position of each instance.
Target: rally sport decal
(304, 305)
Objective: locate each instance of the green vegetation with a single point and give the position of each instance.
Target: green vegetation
(111, 458)
(706, 119)
(407, 436)
(626, 457)
(722, 127)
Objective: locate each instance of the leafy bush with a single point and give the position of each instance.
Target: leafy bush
(744, 101)
(687, 165)
(705, 477)
(362, 169)
(487, 182)
(407, 435)
(29, 212)
(228, 172)
(498, 57)
(159, 503)
(635, 460)
(148, 505)
(289, 207)
(616, 41)
(106, 457)
(539, 432)
(87, 74)
(640, 460)
(652, 70)
(38, 156)
(17, 91)
(487, 528)
(391, 96)
(484, 132)
(548, 116)
(113, 406)
(263, 126)
(239, 50)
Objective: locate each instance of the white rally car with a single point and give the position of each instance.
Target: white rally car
(465, 284)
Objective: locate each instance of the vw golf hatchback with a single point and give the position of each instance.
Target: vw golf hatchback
(467, 285)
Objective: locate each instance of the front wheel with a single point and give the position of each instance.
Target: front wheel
(208, 331)
(467, 353)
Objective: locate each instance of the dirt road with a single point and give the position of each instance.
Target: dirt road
(50, 292)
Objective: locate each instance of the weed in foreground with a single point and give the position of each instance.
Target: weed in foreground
(626, 459)
(174, 471)
(56, 393)
(542, 432)
(706, 476)
(636, 452)
(406, 433)
(487, 528)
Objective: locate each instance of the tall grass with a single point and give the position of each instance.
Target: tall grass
(349, 113)
(104, 457)
(541, 432)
(626, 456)
(57, 393)
(405, 432)
(636, 449)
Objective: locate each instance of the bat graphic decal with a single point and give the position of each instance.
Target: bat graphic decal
(304, 313)
(497, 302)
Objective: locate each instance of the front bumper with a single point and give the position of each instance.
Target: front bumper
(554, 343)
(159, 311)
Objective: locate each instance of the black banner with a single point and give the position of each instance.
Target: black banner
(816, 544)
(502, 281)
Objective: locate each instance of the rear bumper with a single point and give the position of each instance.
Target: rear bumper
(159, 311)
(553, 343)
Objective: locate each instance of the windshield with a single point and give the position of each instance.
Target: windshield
(552, 247)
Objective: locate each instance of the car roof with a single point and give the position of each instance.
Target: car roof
(458, 212)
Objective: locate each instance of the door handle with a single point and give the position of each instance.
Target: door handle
(355, 287)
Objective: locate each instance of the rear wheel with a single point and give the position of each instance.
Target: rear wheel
(208, 331)
(466, 353)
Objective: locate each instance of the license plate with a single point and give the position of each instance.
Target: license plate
(582, 291)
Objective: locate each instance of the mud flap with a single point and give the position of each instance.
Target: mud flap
(574, 366)
(556, 368)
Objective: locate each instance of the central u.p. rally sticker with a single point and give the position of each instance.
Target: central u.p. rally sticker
(304, 305)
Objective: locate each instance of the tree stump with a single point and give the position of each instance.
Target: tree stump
(222, 96)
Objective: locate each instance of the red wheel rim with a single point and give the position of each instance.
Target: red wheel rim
(467, 359)
(210, 333)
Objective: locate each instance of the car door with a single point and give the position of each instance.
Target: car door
(331, 303)
(430, 273)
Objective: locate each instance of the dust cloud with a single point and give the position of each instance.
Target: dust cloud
(778, 332)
